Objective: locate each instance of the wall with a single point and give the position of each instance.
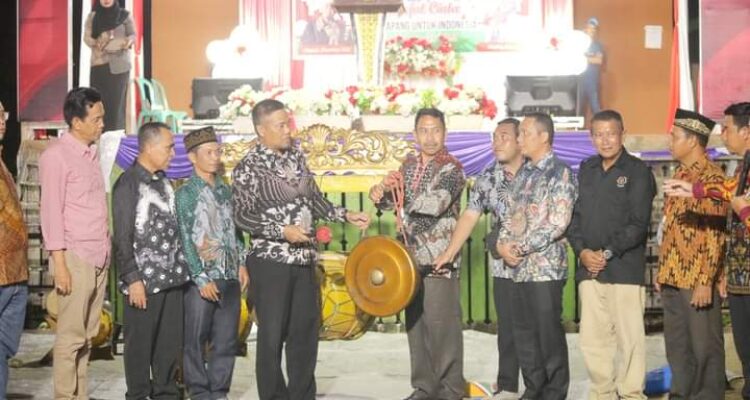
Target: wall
(635, 81)
(181, 31)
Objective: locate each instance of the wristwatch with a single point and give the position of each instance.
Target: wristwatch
(607, 254)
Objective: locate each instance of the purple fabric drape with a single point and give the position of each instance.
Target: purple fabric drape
(473, 149)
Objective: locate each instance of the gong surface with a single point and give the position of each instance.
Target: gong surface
(381, 276)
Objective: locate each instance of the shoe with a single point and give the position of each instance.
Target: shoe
(418, 394)
(504, 395)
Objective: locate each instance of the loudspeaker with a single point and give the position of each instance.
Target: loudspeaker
(554, 95)
(209, 94)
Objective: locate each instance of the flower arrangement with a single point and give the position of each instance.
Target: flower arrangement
(355, 101)
(419, 57)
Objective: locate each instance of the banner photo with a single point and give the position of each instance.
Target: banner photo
(320, 30)
(725, 40)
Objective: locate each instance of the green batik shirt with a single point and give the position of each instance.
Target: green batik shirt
(205, 217)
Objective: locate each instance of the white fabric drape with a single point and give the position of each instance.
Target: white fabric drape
(272, 20)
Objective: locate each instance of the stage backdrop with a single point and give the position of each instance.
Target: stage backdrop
(725, 54)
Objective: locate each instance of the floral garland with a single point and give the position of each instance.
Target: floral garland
(419, 57)
(354, 101)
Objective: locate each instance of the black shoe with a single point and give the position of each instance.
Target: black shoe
(418, 394)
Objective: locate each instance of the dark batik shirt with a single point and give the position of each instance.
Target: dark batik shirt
(147, 236)
(431, 208)
(272, 190)
(206, 218)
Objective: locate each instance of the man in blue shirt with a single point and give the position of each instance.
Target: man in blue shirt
(588, 86)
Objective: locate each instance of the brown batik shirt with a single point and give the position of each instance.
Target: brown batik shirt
(692, 247)
(13, 239)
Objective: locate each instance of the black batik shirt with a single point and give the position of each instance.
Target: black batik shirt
(272, 190)
(146, 233)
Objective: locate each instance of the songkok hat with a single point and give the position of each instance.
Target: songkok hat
(198, 137)
(693, 122)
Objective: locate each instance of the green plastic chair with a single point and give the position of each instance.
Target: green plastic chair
(155, 107)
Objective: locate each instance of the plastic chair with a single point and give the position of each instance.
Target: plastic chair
(154, 105)
(163, 104)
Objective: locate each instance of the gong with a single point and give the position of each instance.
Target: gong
(381, 276)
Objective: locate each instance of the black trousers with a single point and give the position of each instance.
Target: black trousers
(153, 342)
(540, 339)
(436, 343)
(113, 88)
(210, 340)
(287, 305)
(739, 310)
(507, 369)
(694, 341)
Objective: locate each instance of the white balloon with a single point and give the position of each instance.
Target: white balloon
(216, 51)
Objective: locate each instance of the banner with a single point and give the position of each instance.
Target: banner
(473, 25)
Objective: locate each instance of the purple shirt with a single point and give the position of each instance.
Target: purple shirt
(74, 202)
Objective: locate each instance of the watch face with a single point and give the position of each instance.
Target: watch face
(608, 254)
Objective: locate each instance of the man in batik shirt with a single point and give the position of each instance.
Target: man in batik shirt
(490, 194)
(736, 280)
(14, 271)
(433, 182)
(212, 249)
(276, 200)
(531, 241)
(690, 261)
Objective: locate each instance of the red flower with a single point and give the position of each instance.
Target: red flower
(352, 89)
(489, 108)
(402, 68)
(329, 94)
(450, 93)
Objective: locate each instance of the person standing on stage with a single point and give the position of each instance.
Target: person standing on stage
(109, 32)
(152, 267)
(276, 200)
(531, 241)
(432, 183)
(76, 233)
(14, 269)
(736, 279)
(212, 248)
(490, 193)
(589, 80)
(608, 234)
(690, 261)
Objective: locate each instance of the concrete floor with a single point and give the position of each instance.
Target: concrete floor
(375, 366)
